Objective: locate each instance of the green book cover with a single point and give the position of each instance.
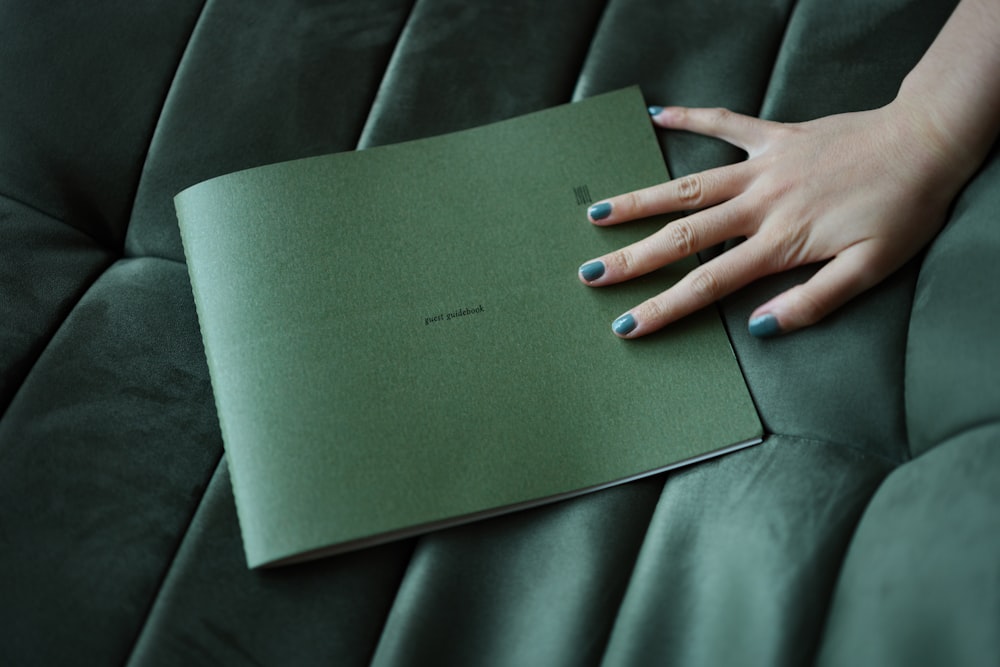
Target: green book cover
(398, 340)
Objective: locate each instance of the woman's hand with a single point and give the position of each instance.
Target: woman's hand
(863, 192)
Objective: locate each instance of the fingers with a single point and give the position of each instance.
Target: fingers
(677, 240)
(847, 275)
(696, 191)
(787, 220)
(704, 285)
(682, 194)
(850, 273)
(742, 131)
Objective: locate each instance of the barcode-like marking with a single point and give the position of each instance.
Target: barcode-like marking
(582, 193)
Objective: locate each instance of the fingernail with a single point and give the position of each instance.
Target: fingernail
(591, 271)
(655, 111)
(624, 324)
(600, 211)
(764, 326)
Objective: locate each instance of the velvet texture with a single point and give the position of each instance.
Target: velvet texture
(863, 531)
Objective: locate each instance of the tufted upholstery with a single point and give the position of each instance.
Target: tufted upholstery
(864, 531)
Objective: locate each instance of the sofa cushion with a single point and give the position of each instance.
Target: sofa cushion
(863, 531)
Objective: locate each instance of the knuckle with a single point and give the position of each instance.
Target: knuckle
(632, 203)
(809, 309)
(786, 242)
(628, 260)
(705, 285)
(682, 238)
(624, 261)
(689, 190)
(654, 311)
(791, 249)
(719, 115)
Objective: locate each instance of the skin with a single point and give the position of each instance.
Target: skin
(862, 192)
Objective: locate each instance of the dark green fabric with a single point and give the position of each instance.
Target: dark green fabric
(862, 532)
(260, 82)
(104, 454)
(919, 584)
(951, 375)
(708, 53)
(211, 610)
(82, 87)
(536, 588)
(460, 64)
(35, 298)
(741, 557)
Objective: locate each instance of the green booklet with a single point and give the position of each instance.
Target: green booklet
(398, 340)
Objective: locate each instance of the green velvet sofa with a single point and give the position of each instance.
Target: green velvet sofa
(865, 530)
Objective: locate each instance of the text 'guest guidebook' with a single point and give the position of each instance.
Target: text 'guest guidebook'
(398, 340)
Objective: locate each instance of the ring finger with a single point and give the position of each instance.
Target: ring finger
(702, 286)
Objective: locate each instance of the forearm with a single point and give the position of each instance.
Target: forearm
(954, 91)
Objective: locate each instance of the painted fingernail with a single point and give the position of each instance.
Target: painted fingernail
(624, 324)
(592, 270)
(764, 326)
(600, 211)
(655, 111)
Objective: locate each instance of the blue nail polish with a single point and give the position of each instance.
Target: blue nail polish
(764, 326)
(592, 270)
(624, 324)
(600, 211)
(655, 111)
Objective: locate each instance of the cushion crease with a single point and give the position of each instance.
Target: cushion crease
(156, 126)
(362, 136)
(85, 287)
(170, 563)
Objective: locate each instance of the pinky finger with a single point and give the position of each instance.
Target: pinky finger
(845, 276)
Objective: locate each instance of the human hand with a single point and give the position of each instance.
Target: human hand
(863, 192)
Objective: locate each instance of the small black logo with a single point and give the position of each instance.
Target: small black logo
(582, 193)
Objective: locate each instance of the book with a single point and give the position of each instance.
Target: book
(398, 341)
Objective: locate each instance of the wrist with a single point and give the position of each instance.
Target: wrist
(953, 92)
(943, 139)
